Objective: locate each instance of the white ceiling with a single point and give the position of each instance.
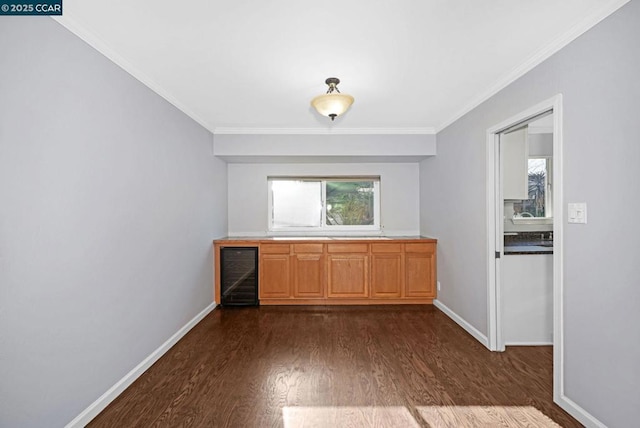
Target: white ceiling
(253, 66)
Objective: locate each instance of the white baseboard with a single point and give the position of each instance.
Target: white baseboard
(462, 323)
(112, 393)
(579, 413)
(543, 343)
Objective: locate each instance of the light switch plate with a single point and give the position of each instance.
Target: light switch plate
(577, 213)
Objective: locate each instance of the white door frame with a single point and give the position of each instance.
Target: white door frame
(495, 219)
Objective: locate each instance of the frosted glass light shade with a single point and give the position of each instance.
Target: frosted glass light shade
(333, 104)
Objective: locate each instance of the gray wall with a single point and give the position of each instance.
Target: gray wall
(110, 198)
(598, 77)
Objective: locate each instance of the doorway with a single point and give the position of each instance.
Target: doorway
(495, 229)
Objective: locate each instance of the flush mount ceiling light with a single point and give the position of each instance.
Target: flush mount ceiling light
(333, 103)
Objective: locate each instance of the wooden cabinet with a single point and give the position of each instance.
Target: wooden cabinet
(420, 272)
(342, 271)
(348, 270)
(308, 270)
(348, 275)
(386, 270)
(275, 272)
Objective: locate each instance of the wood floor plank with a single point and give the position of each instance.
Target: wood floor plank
(338, 366)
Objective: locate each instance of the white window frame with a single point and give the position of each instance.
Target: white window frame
(324, 228)
(548, 188)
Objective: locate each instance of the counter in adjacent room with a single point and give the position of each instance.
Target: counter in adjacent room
(528, 243)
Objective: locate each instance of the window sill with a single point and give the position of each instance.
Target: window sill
(325, 233)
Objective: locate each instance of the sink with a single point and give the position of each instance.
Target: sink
(326, 238)
(350, 238)
(298, 238)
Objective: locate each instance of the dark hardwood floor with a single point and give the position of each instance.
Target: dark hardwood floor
(330, 366)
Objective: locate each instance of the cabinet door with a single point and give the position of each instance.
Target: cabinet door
(348, 275)
(514, 150)
(274, 276)
(386, 275)
(308, 275)
(420, 275)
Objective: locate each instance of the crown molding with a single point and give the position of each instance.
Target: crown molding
(324, 131)
(538, 57)
(98, 44)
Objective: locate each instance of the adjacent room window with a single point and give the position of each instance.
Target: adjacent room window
(334, 204)
(540, 200)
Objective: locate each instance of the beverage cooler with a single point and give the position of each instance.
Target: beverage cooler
(239, 276)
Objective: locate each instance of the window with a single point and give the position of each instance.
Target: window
(539, 202)
(338, 204)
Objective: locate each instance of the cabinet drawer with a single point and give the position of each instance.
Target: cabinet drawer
(420, 248)
(348, 248)
(307, 248)
(274, 248)
(386, 248)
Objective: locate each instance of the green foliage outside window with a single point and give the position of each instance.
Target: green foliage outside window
(350, 203)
